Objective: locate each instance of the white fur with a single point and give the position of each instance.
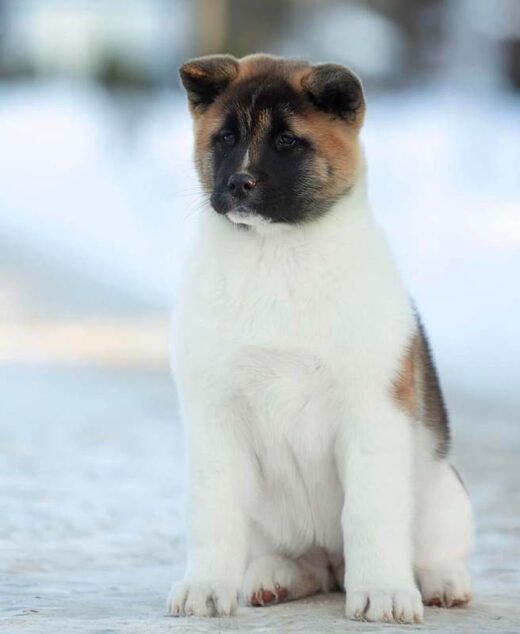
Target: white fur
(244, 166)
(286, 343)
(246, 218)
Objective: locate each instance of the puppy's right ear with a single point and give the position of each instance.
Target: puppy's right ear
(205, 78)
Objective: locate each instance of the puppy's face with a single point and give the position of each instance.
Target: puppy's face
(275, 140)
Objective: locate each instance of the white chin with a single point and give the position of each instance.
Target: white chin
(247, 218)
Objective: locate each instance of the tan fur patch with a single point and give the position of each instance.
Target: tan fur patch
(337, 146)
(195, 71)
(204, 127)
(416, 390)
(404, 387)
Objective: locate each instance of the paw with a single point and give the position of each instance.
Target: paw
(272, 579)
(445, 586)
(388, 606)
(202, 599)
(264, 596)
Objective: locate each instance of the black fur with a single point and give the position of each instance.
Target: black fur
(284, 177)
(335, 89)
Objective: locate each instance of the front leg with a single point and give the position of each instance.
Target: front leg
(376, 468)
(217, 539)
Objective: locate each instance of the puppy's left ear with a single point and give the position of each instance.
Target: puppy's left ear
(205, 78)
(336, 90)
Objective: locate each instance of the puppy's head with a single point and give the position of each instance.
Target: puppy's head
(276, 140)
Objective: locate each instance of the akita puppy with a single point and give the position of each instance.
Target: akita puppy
(317, 436)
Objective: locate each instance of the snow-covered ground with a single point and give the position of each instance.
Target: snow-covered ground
(90, 492)
(93, 202)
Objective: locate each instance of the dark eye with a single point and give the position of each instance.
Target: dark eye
(286, 141)
(228, 137)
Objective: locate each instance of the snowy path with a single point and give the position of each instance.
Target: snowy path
(90, 483)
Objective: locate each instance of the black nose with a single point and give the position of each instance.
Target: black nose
(241, 184)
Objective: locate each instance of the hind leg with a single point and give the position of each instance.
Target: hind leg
(444, 538)
(274, 578)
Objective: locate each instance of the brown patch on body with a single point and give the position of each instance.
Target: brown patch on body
(404, 385)
(416, 389)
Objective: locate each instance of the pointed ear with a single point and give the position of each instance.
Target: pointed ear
(205, 78)
(336, 90)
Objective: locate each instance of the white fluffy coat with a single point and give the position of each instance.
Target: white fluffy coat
(286, 343)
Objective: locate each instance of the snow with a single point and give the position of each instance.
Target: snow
(95, 198)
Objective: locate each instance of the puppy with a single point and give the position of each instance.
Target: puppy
(317, 436)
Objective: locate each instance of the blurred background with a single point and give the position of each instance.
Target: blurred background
(96, 182)
(96, 195)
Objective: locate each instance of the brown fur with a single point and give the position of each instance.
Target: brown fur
(404, 388)
(261, 64)
(204, 127)
(337, 150)
(416, 389)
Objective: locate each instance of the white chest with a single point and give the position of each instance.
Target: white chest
(333, 296)
(288, 404)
